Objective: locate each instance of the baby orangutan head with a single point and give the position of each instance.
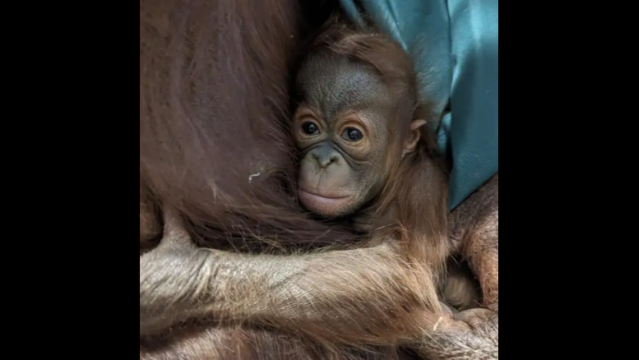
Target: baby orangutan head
(355, 119)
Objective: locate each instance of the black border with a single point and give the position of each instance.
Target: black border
(550, 302)
(85, 184)
(78, 284)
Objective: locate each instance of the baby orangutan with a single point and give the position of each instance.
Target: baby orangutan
(367, 156)
(343, 127)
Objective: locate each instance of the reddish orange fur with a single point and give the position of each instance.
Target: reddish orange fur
(416, 188)
(213, 95)
(213, 106)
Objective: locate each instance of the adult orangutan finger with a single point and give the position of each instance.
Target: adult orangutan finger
(475, 317)
(473, 335)
(174, 232)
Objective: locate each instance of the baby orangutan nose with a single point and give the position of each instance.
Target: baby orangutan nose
(325, 155)
(324, 182)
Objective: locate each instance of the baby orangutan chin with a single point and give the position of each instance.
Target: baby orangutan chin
(365, 155)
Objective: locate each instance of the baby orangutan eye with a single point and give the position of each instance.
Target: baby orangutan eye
(352, 134)
(309, 128)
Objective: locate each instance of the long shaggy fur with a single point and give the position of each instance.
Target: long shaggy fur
(213, 108)
(214, 146)
(416, 188)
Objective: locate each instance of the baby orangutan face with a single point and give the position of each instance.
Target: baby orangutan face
(342, 128)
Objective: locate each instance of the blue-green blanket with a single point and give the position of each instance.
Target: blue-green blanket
(454, 46)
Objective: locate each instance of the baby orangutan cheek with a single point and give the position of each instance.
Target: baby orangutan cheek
(326, 192)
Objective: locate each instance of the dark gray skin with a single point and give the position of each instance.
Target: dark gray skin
(340, 129)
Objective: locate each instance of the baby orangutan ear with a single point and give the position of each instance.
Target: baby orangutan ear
(413, 136)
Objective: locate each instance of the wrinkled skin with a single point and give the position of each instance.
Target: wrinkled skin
(341, 130)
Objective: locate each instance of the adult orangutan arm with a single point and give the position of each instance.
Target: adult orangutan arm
(308, 292)
(361, 296)
(477, 341)
(474, 226)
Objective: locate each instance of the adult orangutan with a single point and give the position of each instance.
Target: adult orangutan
(240, 197)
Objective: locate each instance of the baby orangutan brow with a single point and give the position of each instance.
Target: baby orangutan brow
(334, 93)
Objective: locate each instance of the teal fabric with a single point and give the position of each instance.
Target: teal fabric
(454, 46)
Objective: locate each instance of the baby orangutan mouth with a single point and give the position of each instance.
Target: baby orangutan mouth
(323, 204)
